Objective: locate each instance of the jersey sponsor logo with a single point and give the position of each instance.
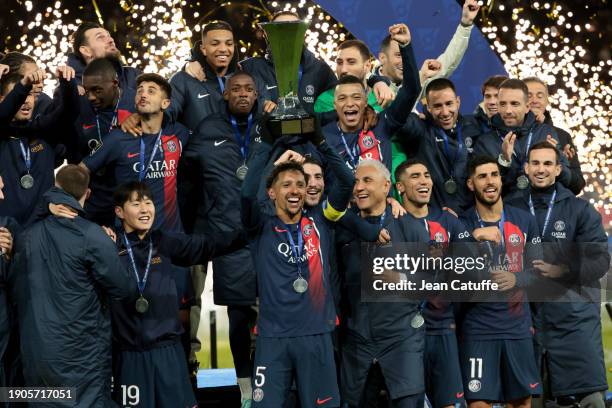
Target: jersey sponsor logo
(310, 250)
(85, 127)
(474, 385)
(536, 240)
(258, 394)
(158, 169)
(37, 148)
(171, 146)
(132, 155)
(219, 143)
(308, 99)
(321, 401)
(310, 90)
(515, 239)
(200, 96)
(464, 234)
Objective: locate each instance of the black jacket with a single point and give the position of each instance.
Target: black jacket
(62, 276)
(127, 75)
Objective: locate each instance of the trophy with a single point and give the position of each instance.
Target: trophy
(286, 40)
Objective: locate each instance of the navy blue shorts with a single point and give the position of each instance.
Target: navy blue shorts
(499, 370)
(152, 378)
(400, 361)
(443, 384)
(309, 360)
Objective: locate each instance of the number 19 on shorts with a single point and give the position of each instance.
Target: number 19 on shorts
(130, 395)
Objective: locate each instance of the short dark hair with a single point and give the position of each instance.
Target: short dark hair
(314, 161)
(15, 60)
(103, 67)
(360, 45)
(405, 165)
(8, 80)
(80, 39)
(492, 82)
(281, 168)
(124, 192)
(157, 79)
(216, 25)
(73, 179)
(238, 74)
(545, 145)
(384, 45)
(350, 79)
(284, 13)
(514, 83)
(478, 161)
(439, 84)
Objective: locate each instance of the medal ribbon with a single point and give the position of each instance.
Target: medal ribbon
(143, 169)
(452, 161)
(141, 284)
(296, 250)
(500, 225)
(26, 155)
(527, 146)
(551, 204)
(221, 84)
(113, 120)
(243, 142)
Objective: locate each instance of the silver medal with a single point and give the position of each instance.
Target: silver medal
(241, 172)
(417, 321)
(94, 145)
(142, 305)
(300, 285)
(450, 186)
(522, 182)
(27, 181)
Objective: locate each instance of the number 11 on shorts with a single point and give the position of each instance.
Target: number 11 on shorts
(475, 367)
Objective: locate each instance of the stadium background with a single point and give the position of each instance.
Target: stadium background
(566, 45)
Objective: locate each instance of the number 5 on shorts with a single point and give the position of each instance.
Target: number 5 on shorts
(260, 378)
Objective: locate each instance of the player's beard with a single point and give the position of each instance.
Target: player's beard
(483, 200)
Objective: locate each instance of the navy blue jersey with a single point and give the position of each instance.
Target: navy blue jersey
(442, 227)
(160, 323)
(122, 153)
(509, 319)
(376, 144)
(92, 128)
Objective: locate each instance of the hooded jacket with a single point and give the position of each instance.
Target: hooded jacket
(63, 274)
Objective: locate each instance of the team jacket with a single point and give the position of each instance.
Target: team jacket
(483, 120)
(62, 275)
(159, 325)
(570, 332)
(376, 321)
(121, 153)
(282, 311)
(511, 318)
(490, 144)
(443, 228)
(376, 144)
(37, 135)
(317, 77)
(425, 140)
(211, 159)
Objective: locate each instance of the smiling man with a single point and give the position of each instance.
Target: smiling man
(445, 140)
(291, 254)
(489, 106)
(515, 130)
(567, 334)
(496, 350)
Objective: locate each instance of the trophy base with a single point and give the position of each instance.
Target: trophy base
(287, 126)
